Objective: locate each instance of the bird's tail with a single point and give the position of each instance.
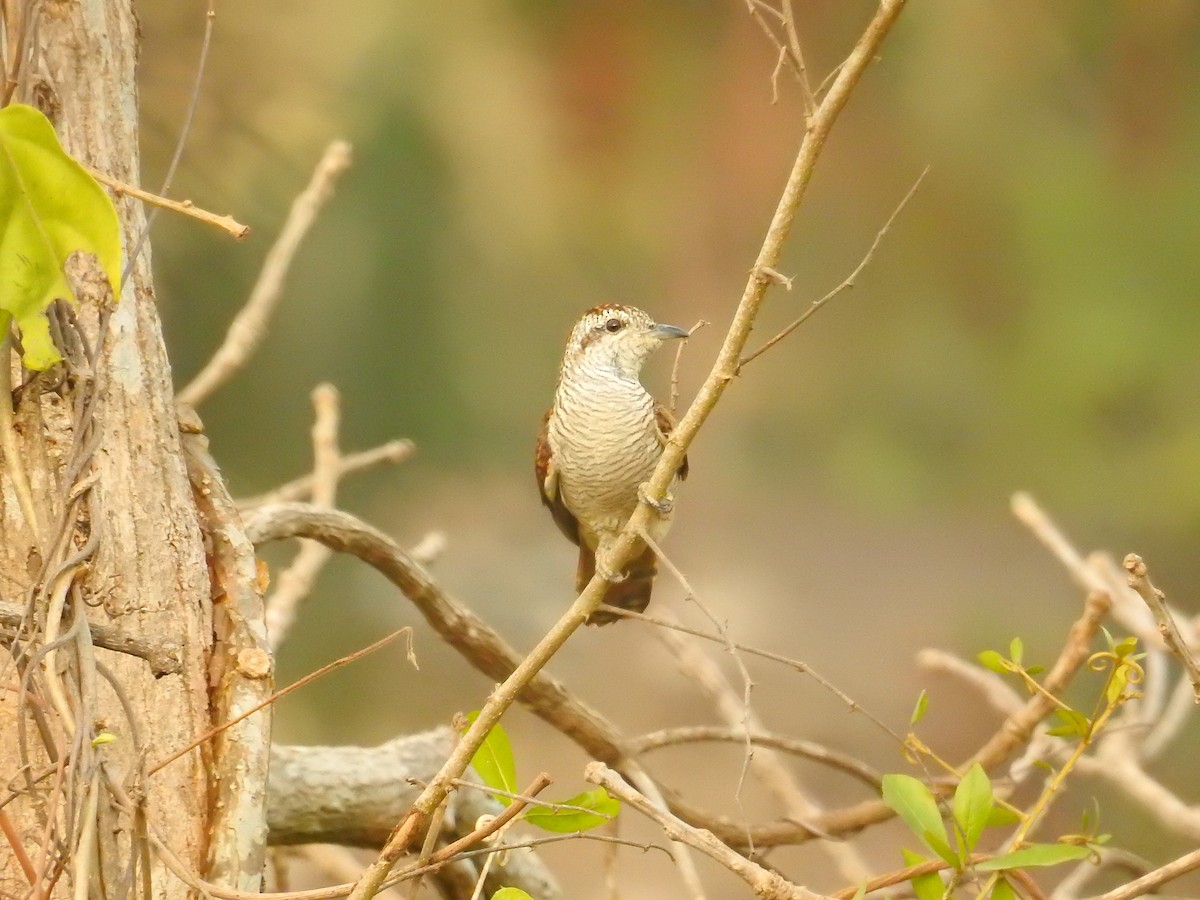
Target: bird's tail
(632, 593)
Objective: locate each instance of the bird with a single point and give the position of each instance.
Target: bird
(600, 442)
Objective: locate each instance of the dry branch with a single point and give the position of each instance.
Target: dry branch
(296, 582)
(765, 883)
(249, 326)
(301, 488)
(228, 224)
(810, 750)
(1139, 580)
(544, 695)
(1141, 887)
(163, 657)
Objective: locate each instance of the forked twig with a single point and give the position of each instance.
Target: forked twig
(847, 283)
(764, 882)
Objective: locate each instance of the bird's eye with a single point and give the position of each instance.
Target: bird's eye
(612, 326)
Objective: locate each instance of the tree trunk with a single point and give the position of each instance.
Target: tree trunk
(121, 547)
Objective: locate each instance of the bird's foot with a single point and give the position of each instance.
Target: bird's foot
(610, 575)
(663, 506)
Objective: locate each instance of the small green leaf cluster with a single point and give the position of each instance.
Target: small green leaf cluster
(973, 809)
(1121, 660)
(496, 766)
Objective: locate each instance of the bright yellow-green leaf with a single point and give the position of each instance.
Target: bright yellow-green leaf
(565, 821)
(928, 886)
(50, 207)
(995, 662)
(912, 801)
(494, 762)
(104, 737)
(511, 893)
(1117, 682)
(1035, 855)
(972, 806)
(1074, 724)
(1000, 816)
(1016, 650)
(918, 712)
(1003, 891)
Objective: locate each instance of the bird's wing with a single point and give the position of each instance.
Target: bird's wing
(666, 424)
(547, 480)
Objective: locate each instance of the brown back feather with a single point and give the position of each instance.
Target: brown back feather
(563, 517)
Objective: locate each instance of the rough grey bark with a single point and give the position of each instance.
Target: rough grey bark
(148, 575)
(355, 795)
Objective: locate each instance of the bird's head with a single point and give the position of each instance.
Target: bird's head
(617, 337)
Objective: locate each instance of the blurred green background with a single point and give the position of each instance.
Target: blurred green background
(1031, 322)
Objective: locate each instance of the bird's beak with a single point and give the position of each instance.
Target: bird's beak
(664, 332)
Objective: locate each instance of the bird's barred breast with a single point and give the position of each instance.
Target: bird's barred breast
(605, 443)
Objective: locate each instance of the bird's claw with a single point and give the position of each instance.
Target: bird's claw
(663, 506)
(610, 575)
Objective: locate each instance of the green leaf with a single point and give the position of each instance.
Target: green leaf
(494, 763)
(510, 893)
(1003, 891)
(1117, 682)
(1074, 724)
(50, 207)
(912, 801)
(1016, 650)
(1126, 647)
(1001, 816)
(565, 821)
(995, 662)
(972, 805)
(1034, 855)
(918, 712)
(928, 886)
(1035, 670)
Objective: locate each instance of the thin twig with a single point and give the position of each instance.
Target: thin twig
(228, 224)
(295, 685)
(846, 284)
(250, 324)
(801, 667)
(1139, 580)
(793, 41)
(296, 582)
(1145, 885)
(810, 750)
(210, 18)
(764, 882)
(673, 404)
(1032, 516)
(301, 488)
(697, 666)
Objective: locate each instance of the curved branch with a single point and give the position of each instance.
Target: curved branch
(811, 750)
(544, 694)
